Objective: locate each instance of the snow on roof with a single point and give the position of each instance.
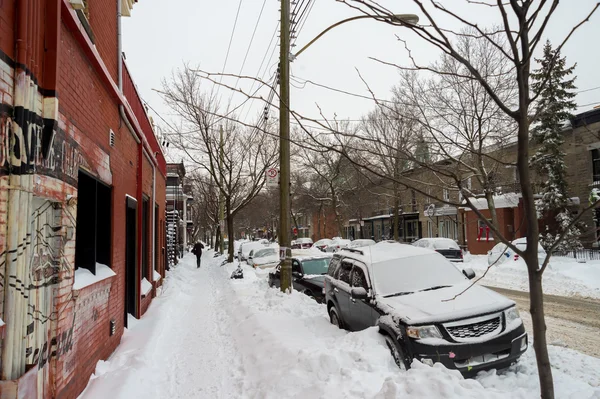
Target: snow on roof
(84, 277)
(384, 251)
(508, 200)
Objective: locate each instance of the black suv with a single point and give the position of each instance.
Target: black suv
(424, 307)
(308, 275)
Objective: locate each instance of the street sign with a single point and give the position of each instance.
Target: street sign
(272, 177)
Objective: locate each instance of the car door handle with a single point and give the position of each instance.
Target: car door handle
(336, 290)
(353, 300)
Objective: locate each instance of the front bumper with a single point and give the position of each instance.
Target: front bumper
(470, 358)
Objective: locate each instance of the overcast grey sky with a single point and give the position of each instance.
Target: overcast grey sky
(162, 35)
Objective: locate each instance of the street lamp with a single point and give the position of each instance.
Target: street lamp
(284, 126)
(411, 19)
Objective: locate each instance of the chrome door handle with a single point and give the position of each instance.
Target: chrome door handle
(353, 300)
(335, 290)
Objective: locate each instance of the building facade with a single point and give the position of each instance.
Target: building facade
(82, 195)
(179, 216)
(421, 216)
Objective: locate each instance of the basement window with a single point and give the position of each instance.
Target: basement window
(93, 228)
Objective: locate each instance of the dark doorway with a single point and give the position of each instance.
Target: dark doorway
(156, 240)
(130, 258)
(145, 238)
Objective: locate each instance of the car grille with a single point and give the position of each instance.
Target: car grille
(475, 330)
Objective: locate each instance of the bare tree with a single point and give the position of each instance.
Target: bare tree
(235, 156)
(516, 40)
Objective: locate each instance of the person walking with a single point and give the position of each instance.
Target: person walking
(197, 250)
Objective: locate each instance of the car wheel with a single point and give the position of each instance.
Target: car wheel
(334, 318)
(396, 352)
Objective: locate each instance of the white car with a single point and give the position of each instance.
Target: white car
(247, 247)
(361, 243)
(322, 244)
(502, 254)
(264, 257)
(445, 246)
(338, 244)
(302, 243)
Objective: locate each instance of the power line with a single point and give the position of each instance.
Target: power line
(237, 14)
(252, 39)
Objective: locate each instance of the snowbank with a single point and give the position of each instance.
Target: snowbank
(84, 277)
(564, 276)
(294, 349)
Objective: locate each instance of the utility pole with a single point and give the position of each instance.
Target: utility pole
(221, 199)
(284, 146)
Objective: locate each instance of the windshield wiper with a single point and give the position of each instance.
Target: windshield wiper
(437, 287)
(399, 294)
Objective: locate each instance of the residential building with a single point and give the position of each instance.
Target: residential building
(179, 217)
(82, 195)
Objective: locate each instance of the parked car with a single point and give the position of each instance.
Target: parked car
(336, 245)
(302, 243)
(421, 304)
(264, 258)
(361, 243)
(246, 247)
(445, 246)
(322, 243)
(501, 253)
(308, 274)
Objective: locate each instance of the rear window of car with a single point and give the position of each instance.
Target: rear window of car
(445, 244)
(344, 272)
(333, 265)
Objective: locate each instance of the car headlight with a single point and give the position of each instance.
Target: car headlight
(422, 332)
(511, 315)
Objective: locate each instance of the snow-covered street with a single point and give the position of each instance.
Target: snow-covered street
(207, 336)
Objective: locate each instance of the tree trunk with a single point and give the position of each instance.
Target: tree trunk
(538, 321)
(536, 296)
(319, 221)
(217, 237)
(338, 220)
(229, 230)
(396, 215)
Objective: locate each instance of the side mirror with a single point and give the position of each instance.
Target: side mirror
(359, 293)
(469, 273)
(250, 257)
(297, 274)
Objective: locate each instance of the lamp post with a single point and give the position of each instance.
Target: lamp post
(284, 126)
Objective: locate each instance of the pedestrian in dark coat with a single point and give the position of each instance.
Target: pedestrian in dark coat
(197, 250)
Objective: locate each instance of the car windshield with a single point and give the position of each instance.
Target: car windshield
(445, 244)
(316, 266)
(265, 252)
(414, 273)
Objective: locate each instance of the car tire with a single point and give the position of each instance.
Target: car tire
(396, 352)
(334, 318)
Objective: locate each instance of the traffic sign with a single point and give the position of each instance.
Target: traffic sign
(272, 177)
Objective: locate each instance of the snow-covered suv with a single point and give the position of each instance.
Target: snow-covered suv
(424, 307)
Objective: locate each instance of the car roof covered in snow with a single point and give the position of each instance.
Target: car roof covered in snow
(384, 251)
(302, 258)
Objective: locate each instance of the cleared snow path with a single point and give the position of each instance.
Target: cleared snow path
(181, 348)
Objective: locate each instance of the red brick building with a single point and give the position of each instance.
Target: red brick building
(82, 195)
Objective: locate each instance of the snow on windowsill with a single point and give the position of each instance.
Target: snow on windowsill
(1, 323)
(156, 275)
(84, 278)
(146, 287)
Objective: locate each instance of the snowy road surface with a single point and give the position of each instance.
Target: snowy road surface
(181, 348)
(208, 336)
(563, 316)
